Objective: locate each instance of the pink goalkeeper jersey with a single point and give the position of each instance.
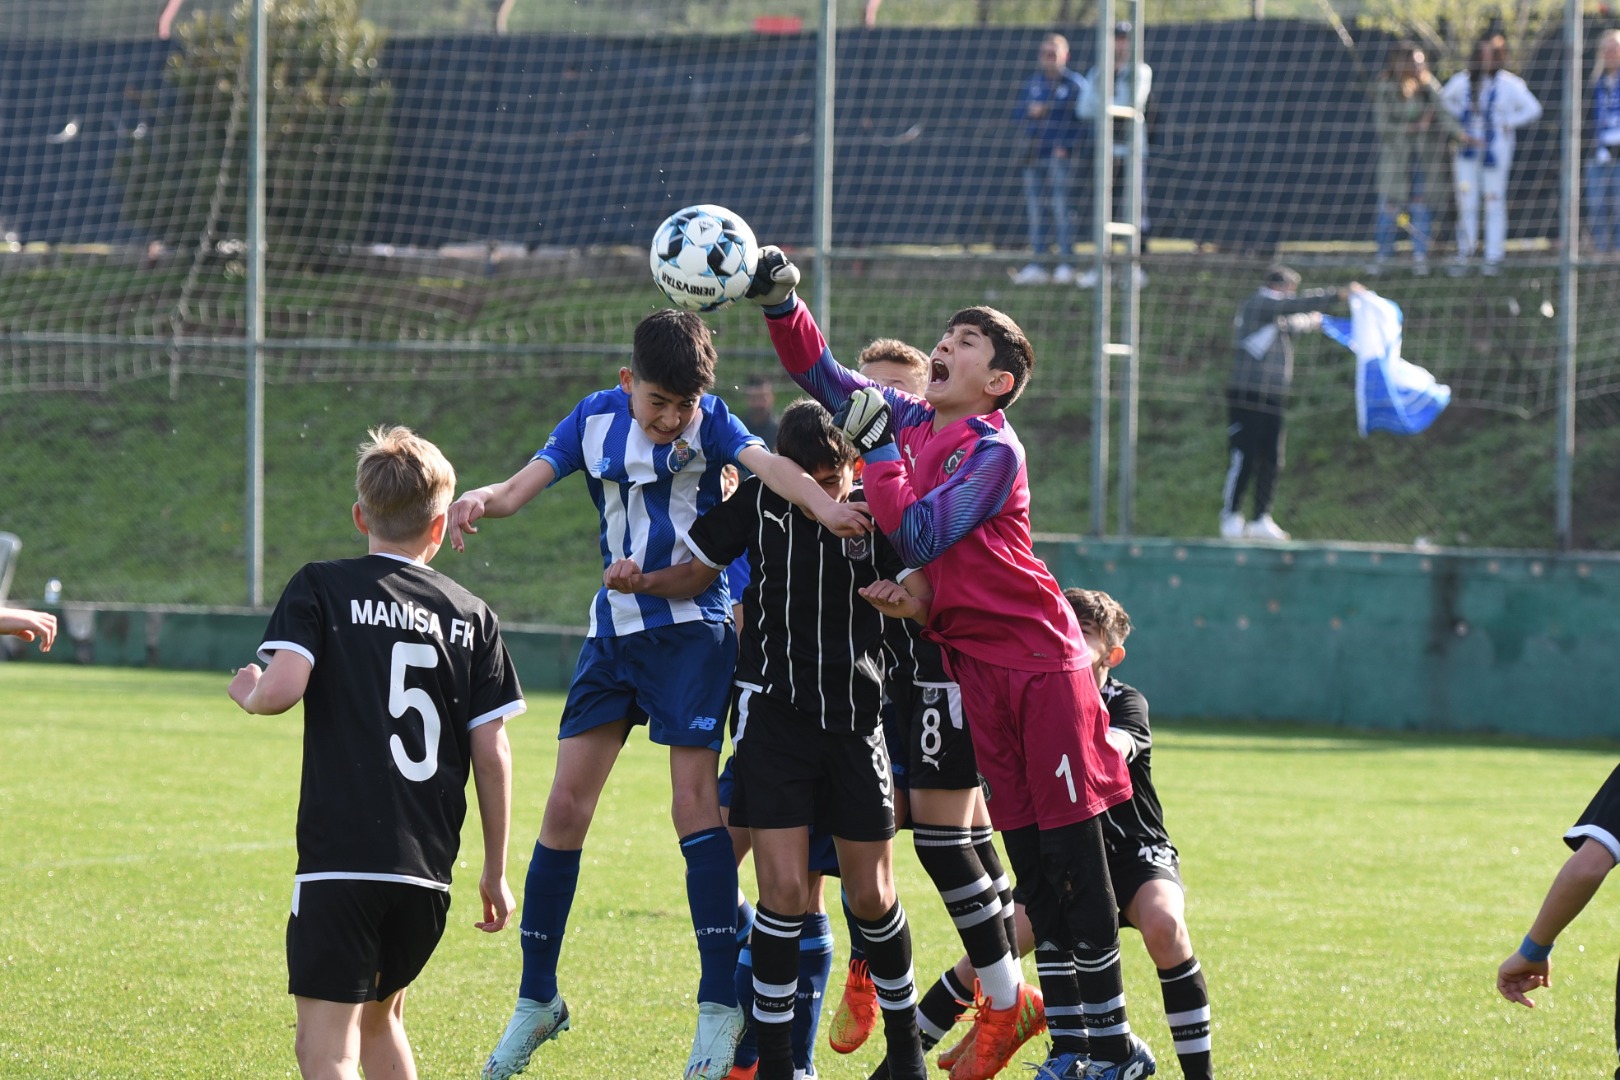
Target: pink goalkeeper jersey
(957, 505)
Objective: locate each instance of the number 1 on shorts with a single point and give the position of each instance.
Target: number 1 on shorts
(1067, 773)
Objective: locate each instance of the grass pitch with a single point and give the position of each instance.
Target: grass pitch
(1350, 898)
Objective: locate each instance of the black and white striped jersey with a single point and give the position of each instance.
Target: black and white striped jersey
(808, 637)
(404, 664)
(913, 659)
(1138, 823)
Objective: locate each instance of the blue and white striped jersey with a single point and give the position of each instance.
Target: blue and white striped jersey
(648, 496)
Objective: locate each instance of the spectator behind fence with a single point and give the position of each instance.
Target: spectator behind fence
(1125, 93)
(1049, 129)
(1257, 394)
(1491, 103)
(1602, 170)
(759, 414)
(1413, 132)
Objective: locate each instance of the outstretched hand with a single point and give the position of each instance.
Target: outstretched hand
(774, 279)
(1518, 976)
(463, 512)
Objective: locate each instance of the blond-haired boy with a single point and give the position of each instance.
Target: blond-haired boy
(406, 686)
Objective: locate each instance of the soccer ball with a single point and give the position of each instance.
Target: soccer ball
(704, 257)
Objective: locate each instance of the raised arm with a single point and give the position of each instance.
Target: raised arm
(921, 527)
(492, 780)
(798, 487)
(498, 500)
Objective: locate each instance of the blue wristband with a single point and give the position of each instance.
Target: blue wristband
(886, 452)
(776, 311)
(1532, 952)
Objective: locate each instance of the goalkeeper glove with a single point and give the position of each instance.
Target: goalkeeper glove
(869, 422)
(774, 279)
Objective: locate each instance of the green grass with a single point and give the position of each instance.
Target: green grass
(1350, 897)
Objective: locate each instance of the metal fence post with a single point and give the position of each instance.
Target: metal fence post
(253, 331)
(1568, 271)
(826, 59)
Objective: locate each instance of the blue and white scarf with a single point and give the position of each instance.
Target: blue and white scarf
(1467, 153)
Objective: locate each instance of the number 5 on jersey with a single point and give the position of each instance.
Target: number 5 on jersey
(401, 700)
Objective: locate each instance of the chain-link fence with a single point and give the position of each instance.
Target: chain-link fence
(458, 204)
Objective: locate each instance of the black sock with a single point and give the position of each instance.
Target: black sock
(1102, 996)
(945, 1001)
(952, 864)
(1054, 967)
(775, 947)
(1186, 1006)
(888, 960)
(989, 858)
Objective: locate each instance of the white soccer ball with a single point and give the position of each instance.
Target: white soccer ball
(704, 257)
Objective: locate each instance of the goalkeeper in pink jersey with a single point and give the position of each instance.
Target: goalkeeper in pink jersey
(946, 481)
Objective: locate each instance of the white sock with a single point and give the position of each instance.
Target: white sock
(1000, 981)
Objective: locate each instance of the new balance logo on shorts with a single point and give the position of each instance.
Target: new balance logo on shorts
(703, 723)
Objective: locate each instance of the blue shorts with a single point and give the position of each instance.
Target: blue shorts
(675, 679)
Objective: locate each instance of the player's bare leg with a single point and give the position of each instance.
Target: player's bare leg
(327, 1042)
(385, 1052)
(584, 762)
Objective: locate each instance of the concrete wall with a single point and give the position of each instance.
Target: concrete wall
(1364, 636)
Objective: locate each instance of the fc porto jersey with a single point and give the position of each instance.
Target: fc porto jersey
(405, 663)
(648, 496)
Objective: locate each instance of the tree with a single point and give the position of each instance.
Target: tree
(1448, 29)
(326, 136)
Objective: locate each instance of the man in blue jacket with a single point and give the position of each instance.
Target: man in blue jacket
(1050, 130)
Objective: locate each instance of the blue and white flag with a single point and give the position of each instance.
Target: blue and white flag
(1391, 394)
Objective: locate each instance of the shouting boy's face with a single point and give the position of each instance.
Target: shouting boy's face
(960, 377)
(659, 413)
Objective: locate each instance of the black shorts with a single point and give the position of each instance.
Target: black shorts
(356, 941)
(823, 853)
(1130, 871)
(939, 747)
(790, 773)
